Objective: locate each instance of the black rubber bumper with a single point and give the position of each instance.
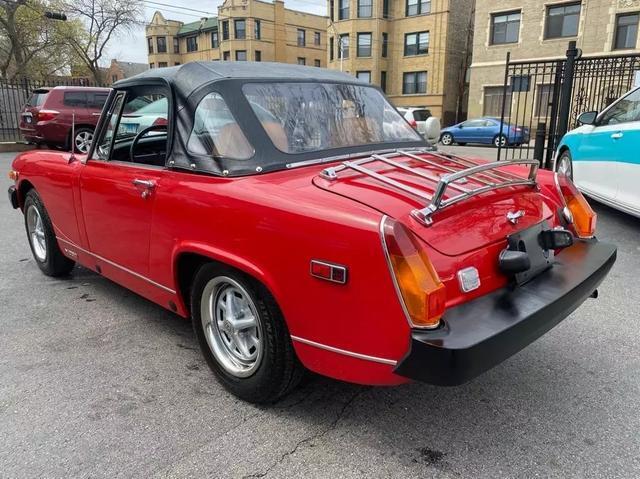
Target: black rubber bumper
(13, 197)
(484, 332)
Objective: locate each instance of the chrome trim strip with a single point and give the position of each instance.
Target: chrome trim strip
(352, 354)
(115, 265)
(332, 266)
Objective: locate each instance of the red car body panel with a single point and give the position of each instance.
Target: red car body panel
(252, 224)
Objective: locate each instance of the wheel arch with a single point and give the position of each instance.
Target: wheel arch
(23, 188)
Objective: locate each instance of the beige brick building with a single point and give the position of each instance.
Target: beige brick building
(243, 30)
(539, 30)
(414, 49)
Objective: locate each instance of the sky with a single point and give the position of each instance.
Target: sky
(133, 46)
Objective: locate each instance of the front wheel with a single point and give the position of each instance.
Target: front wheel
(446, 139)
(242, 335)
(564, 164)
(500, 141)
(42, 239)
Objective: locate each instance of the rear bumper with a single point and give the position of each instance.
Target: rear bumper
(484, 332)
(13, 197)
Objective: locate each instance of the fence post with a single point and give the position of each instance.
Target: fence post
(538, 145)
(504, 101)
(566, 91)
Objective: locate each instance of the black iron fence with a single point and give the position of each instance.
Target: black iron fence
(546, 97)
(14, 95)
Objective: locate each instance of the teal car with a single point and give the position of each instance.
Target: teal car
(602, 155)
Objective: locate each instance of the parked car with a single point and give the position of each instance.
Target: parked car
(47, 116)
(484, 131)
(318, 236)
(422, 120)
(601, 155)
(151, 113)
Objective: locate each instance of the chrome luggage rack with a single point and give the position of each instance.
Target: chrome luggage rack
(484, 174)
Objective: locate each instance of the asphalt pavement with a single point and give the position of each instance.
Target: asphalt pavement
(97, 382)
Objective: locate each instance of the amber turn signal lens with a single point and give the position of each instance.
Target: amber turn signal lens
(584, 218)
(418, 284)
(13, 175)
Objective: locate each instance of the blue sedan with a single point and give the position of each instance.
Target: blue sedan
(485, 131)
(601, 156)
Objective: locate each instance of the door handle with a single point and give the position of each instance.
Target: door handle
(147, 185)
(617, 135)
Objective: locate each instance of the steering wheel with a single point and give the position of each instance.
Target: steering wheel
(139, 136)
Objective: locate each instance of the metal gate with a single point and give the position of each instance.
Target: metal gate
(545, 98)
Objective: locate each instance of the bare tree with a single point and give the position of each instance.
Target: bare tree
(104, 20)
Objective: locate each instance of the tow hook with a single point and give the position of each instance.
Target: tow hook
(594, 295)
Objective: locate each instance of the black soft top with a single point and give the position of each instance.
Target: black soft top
(190, 82)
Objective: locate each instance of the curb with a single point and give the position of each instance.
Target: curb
(15, 147)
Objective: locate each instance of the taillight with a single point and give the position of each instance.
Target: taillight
(419, 287)
(47, 115)
(159, 121)
(581, 215)
(413, 123)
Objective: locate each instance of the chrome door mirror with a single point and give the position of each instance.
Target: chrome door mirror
(588, 118)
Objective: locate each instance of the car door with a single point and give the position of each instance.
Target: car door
(118, 191)
(466, 131)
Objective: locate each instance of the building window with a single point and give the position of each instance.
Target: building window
(332, 7)
(364, 76)
(365, 8)
(385, 8)
(418, 7)
(414, 82)
(363, 48)
(343, 46)
(317, 39)
(192, 44)
(302, 37)
(215, 42)
(240, 27)
(257, 55)
(150, 44)
(177, 64)
(162, 44)
(416, 43)
(626, 31)
(241, 55)
(331, 48)
(225, 30)
(302, 61)
(385, 44)
(176, 45)
(162, 65)
(492, 102)
(226, 56)
(257, 32)
(316, 63)
(505, 28)
(544, 96)
(343, 9)
(562, 20)
(383, 81)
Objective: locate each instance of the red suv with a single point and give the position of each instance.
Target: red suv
(47, 116)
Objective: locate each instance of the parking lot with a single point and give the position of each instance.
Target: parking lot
(96, 381)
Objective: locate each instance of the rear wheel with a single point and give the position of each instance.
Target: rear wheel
(564, 164)
(242, 335)
(446, 139)
(82, 140)
(500, 141)
(42, 239)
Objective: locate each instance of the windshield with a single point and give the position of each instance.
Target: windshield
(304, 117)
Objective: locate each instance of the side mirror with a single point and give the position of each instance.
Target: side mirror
(588, 118)
(459, 126)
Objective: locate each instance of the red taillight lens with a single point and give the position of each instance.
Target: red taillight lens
(583, 217)
(159, 121)
(418, 284)
(46, 115)
(413, 123)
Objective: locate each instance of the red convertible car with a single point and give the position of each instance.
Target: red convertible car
(300, 222)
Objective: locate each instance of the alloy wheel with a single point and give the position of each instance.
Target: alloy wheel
(564, 166)
(35, 227)
(232, 326)
(83, 141)
(446, 139)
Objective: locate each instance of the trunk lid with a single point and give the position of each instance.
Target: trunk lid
(468, 225)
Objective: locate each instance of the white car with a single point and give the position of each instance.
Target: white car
(154, 113)
(422, 120)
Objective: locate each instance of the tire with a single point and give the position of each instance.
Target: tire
(499, 141)
(251, 355)
(42, 239)
(564, 164)
(82, 140)
(446, 139)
